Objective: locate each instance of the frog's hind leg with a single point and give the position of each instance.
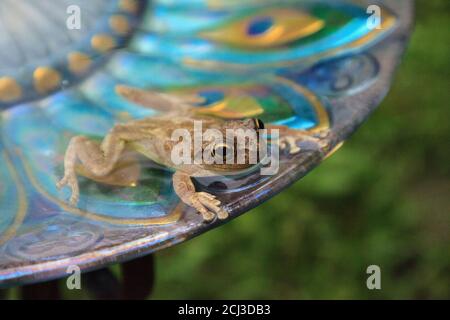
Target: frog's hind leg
(99, 159)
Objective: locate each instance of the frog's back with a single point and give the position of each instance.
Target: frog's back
(158, 143)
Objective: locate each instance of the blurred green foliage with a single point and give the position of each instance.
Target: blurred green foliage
(382, 199)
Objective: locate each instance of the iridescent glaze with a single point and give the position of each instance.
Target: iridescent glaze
(311, 65)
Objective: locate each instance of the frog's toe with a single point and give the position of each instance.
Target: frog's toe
(207, 215)
(222, 214)
(213, 204)
(197, 202)
(61, 183)
(208, 206)
(215, 207)
(74, 197)
(71, 181)
(208, 196)
(294, 150)
(289, 143)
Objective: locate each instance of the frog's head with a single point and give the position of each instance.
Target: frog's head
(238, 148)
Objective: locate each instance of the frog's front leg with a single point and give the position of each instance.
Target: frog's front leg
(159, 101)
(203, 202)
(289, 137)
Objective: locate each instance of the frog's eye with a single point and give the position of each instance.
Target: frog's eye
(222, 150)
(258, 124)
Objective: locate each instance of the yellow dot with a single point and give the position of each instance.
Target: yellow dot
(129, 5)
(10, 90)
(46, 79)
(119, 24)
(103, 42)
(79, 62)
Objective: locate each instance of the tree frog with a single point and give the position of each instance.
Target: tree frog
(152, 137)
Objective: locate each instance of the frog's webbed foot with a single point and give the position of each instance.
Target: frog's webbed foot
(70, 179)
(206, 204)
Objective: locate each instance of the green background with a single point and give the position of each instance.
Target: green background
(382, 199)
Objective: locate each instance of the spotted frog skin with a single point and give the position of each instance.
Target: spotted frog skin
(152, 137)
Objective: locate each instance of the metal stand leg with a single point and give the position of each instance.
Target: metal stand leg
(102, 284)
(41, 291)
(138, 277)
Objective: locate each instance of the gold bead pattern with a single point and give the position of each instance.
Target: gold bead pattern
(46, 79)
(10, 90)
(103, 42)
(119, 24)
(78, 62)
(129, 5)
